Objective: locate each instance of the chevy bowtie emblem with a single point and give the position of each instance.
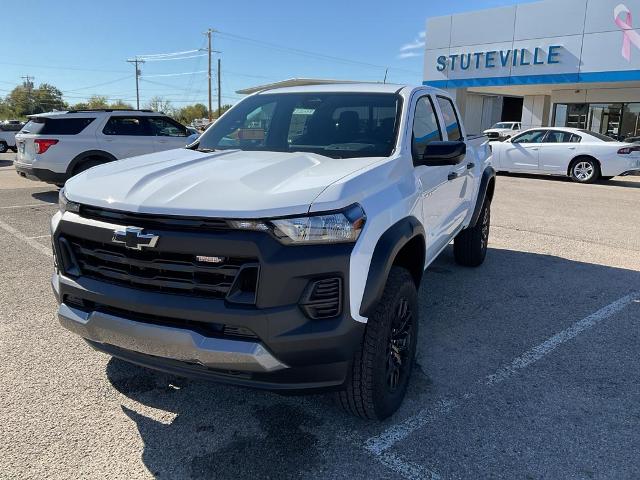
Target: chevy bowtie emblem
(133, 238)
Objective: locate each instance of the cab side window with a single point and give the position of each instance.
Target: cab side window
(426, 128)
(451, 122)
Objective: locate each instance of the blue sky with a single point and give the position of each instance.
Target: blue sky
(81, 46)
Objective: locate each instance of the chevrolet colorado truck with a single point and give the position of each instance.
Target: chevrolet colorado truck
(282, 250)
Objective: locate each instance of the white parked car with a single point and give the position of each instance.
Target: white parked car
(503, 130)
(583, 155)
(285, 248)
(52, 147)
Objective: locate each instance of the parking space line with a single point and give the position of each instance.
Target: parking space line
(29, 241)
(380, 444)
(7, 207)
(39, 236)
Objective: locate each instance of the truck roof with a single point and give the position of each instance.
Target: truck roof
(338, 87)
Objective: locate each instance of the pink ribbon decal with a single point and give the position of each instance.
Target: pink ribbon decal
(624, 21)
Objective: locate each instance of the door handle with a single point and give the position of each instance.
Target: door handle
(470, 165)
(452, 176)
(572, 148)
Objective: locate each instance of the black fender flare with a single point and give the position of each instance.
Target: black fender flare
(389, 244)
(485, 192)
(84, 155)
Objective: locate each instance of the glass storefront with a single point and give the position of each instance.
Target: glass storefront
(616, 120)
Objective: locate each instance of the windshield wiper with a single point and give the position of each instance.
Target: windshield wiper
(205, 150)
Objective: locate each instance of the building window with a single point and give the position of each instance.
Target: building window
(615, 120)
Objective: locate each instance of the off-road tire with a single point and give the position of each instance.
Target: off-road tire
(368, 393)
(470, 245)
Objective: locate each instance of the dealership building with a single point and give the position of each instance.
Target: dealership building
(573, 63)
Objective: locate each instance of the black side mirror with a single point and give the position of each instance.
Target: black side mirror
(438, 154)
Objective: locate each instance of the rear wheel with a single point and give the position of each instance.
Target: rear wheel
(470, 246)
(382, 365)
(585, 170)
(88, 163)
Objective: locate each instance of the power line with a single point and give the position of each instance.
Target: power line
(59, 67)
(172, 54)
(173, 58)
(308, 53)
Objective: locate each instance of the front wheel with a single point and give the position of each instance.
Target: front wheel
(470, 245)
(382, 365)
(3, 147)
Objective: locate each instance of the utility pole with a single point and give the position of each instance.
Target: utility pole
(219, 89)
(136, 61)
(209, 32)
(28, 83)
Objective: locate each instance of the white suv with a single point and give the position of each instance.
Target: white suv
(52, 147)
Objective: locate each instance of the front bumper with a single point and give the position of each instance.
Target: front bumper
(164, 331)
(39, 174)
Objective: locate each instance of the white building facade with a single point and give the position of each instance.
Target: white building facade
(573, 63)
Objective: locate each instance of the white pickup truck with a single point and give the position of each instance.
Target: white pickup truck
(8, 132)
(284, 249)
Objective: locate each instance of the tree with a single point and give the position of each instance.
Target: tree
(48, 98)
(189, 113)
(96, 102)
(222, 109)
(159, 104)
(26, 100)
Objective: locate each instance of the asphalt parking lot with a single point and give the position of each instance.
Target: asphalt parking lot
(528, 367)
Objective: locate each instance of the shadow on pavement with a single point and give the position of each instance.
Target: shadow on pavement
(6, 163)
(50, 197)
(472, 322)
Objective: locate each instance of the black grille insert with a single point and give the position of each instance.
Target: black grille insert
(145, 220)
(323, 299)
(152, 270)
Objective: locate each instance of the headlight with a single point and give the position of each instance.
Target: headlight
(65, 205)
(336, 227)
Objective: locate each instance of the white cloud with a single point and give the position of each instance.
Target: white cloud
(409, 54)
(412, 49)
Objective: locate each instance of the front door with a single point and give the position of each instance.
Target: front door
(435, 203)
(522, 152)
(168, 134)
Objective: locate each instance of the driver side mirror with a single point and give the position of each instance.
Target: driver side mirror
(439, 154)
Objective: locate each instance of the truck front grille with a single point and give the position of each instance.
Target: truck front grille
(153, 270)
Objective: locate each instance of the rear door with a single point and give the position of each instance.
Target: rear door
(557, 150)
(127, 136)
(459, 187)
(168, 133)
(521, 153)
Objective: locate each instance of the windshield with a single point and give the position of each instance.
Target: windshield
(339, 125)
(599, 136)
(503, 125)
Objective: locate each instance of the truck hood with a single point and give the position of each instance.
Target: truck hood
(229, 183)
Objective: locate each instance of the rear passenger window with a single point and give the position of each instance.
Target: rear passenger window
(576, 138)
(425, 127)
(133, 126)
(558, 137)
(64, 126)
(452, 124)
